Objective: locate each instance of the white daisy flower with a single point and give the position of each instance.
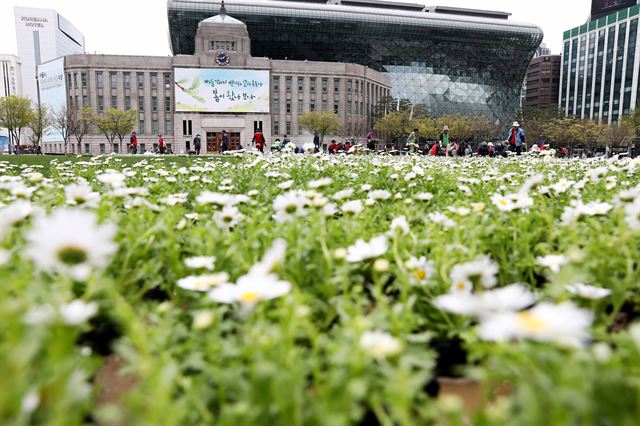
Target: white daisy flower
(344, 194)
(200, 262)
(202, 282)
(290, 205)
(71, 242)
(286, 185)
(379, 344)
(112, 178)
(77, 312)
(399, 225)
(423, 196)
(229, 217)
(250, 289)
(552, 261)
(482, 269)
(379, 195)
(421, 268)
(362, 250)
(563, 324)
(81, 194)
(588, 291)
(314, 184)
(511, 298)
(632, 214)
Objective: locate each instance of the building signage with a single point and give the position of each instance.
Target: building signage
(221, 90)
(52, 91)
(34, 21)
(601, 8)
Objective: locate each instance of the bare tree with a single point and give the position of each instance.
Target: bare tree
(41, 123)
(81, 124)
(62, 120)
(15, 115)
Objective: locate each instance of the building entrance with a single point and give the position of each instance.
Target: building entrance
(214, 141)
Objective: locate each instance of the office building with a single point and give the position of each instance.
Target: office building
(221, 86)
(450, 59)
(543, 82)
(42, 35)
(10, 84)
(600, 67)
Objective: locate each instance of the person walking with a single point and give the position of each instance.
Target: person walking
(412, 141)
(133, 142)
(316, 141)
(258, 139)
(161, 146)
(516, 138)
(444, 138)
(197, 143)
(225, 142)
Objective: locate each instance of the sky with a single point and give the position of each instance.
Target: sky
(139, 27)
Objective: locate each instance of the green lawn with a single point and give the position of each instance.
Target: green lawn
(45, 160)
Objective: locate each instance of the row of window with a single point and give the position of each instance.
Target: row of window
(72, 80)
(598, 72)
(352, 107)
(356, 86)
(127, 103)
(75, 149)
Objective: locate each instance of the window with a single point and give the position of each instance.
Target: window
(167, 80)
(143, 148)
(167, 127)
(300, 84)
(300, 105)
(127, 80)
(186, 127)
(288, 128)
(85, 100)
(167, 104)
(114, 102)
(116, 148)
(140, 80)
(83, 78)
(69, 80)
(154, 80)
(154, 104)
(141, 128)
(102, 148)
(349, 107)
(312, 85)
(276, 84)
(325, 84)
(86, 148)
(287, 84)
(312, 106)
(141, 103)
(99, 81)
(155, 127)
(100, 103)
(335, 107)
(114, 80)
(288, 107)
(127, 103)
(276, 127)
(75, 80)
(223, 45)
(276, 107)
(324, 104)
(336, 85)
(349, 85)
(77, 102)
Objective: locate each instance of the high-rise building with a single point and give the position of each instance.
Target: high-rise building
(10, 84)
(543, 82)
(42, 35)
(601, 67)
(449, 59)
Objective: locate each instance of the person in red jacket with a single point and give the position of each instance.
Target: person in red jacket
(161, 144)
(133, 141)
(258, 139)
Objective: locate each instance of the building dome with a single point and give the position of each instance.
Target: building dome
(222, 19)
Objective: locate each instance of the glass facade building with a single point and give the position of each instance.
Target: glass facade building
(600, 67)
(452, 60)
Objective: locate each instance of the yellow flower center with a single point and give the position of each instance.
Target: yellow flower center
(531, 323)
(503, 202)
(249, 297)
(72, 255)
(461, 285)
(421, 274)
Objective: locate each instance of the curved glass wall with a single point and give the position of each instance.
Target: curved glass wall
(450, 63)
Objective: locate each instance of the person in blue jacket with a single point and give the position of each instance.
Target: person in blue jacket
(516, 138)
